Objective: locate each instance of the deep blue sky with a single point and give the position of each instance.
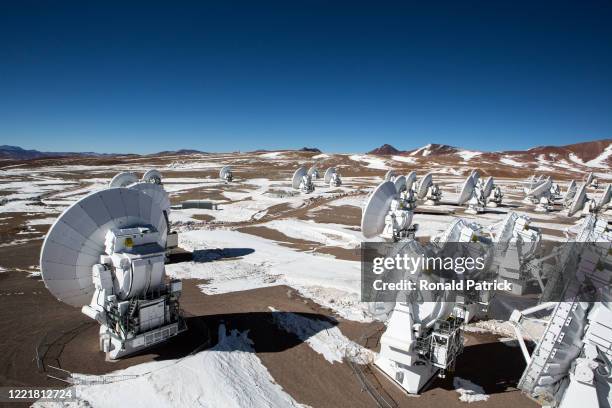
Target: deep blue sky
(342, 76)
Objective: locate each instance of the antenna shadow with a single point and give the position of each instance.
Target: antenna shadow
(209, 255)
(265, 329)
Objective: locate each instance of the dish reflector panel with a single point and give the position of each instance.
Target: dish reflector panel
(312, 170)
(475, 175)
(297, 177)
(156, 192)
(376, 209)
(425, 183)
(540, 189)
(488, 186)
(578, 200)
(605, 197)
(466, 190)
(389, 175)
(152, 176)
(329, 174)
(589, 179)
(123, 179)
(400, 183)
(75, 241)
(223, 172)
(410, 179)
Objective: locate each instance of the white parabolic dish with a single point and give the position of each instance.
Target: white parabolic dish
(488, 186)
(297, 177)
(410, 179)
(466, 190)
(152, 176)
(224, 170)
(540, 189)
(75, 241)
(123, 179)
(400, 183)
(425, 183)
(376, 209)
(329, 174)
(389, 175)
(605, 197)
(578, 200)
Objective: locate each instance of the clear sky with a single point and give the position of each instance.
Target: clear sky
(342, 76)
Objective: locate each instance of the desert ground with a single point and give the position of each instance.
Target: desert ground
(270, 282)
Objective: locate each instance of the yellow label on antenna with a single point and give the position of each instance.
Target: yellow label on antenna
(129, 242)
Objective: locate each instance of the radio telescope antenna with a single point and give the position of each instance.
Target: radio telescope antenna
(302, 181)
(467, 190)
(313, 172)
(488, 187)
(589, 179)
(332, 178)
(400, 183)
(604, 200)
(384, 214)
(428, 191)
(225, 174)
(106, 254)
(389, 175)
(570, 192)
(578, 201)
(540, 195)
(152, 176)
(475, 175)
(410, 180)
(123, 179)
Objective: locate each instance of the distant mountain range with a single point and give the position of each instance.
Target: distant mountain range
(18, 153)
(596, 153)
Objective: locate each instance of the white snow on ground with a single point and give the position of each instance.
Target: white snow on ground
(271, 155)
(327, 234)
(511, 162)
(41, 221)
(405, 159)
(354, 201)
(373, 162)
(323, 337)
(424, 151)
(601, 160)
(321, 156)
(229, 375)
(469, 392)
(331, 282)
(468, 155)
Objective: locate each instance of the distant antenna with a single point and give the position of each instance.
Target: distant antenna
(225, 174)
(589, 179)
(604, 200)
(400, 183)
(570, 192)
(332, 178)
(410, 179)
(487, 187)
(429, 191)
(389, 175)
(384, 214)
(424, 184)
(313, 172)
(475, 175)
(578, 201)
(123, 179)
(467, 190)
(472, 195)
(540, 196)
(152, 176)
(302, 181)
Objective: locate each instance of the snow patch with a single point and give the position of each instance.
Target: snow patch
(469, 392)
(322, 337)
